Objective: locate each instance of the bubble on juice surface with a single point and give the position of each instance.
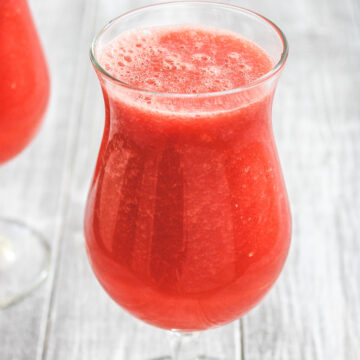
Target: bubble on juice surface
(202, 59)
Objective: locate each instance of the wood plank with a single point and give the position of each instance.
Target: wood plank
(84, 322)
(313, 311)
(33, 186)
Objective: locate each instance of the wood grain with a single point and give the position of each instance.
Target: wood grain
(313, 312)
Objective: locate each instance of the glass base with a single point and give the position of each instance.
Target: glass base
(185, 346)
(199, 357)
(24, 261)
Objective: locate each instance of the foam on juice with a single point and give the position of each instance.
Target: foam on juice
(184, 59)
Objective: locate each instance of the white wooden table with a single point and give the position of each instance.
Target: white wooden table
(313, 312)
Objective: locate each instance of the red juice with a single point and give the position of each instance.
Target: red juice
(187, 223)
(24, 79)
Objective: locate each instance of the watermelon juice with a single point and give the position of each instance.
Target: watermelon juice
(187, 223)
(24, 84)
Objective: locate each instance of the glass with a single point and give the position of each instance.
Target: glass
(24, 94)
(187, 222)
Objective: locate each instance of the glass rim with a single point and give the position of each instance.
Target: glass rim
(270, 74)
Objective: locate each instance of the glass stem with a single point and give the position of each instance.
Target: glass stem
(184, 345)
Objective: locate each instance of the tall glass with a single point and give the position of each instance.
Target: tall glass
(187, 222)
(24, 94)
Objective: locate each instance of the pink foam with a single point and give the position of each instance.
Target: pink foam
(184, 59)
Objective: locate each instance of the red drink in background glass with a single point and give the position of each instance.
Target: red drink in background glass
(187, 223)
(24, 79)
(24, 94)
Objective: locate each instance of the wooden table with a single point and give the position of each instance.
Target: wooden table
(313, 312)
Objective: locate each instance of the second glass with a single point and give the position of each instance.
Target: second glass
(24, 96)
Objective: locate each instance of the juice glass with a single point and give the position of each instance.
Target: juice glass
(187, 222)
(24, 94)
